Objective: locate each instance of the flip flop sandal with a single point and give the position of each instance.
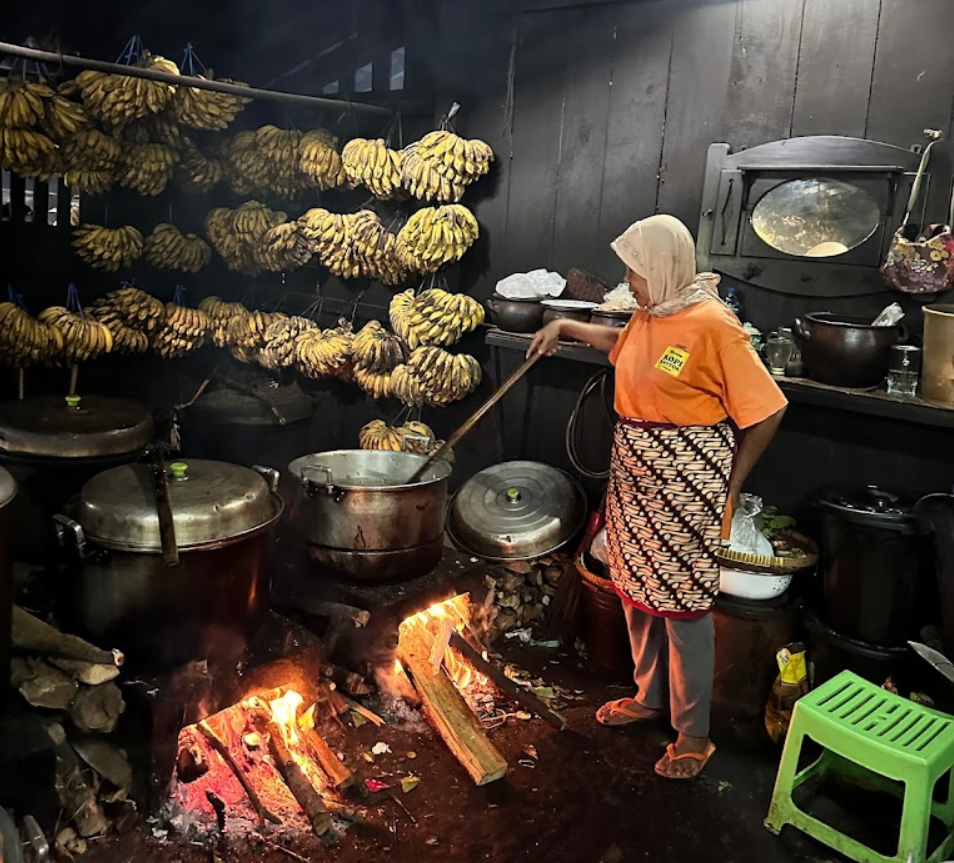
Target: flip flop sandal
(701, 757)
(619, 708)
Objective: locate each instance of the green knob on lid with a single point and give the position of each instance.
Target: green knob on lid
(73, 402)
(179, 469)
(513, 494)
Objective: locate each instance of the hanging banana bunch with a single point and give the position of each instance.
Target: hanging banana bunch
(198, 171)
(89, 160)
(376, 349)
(441, 165)
(120, 99)
(414, 437)
(107, 248)
(146, 168)
(282, 248)
(126, 339)
(24, 148)
(434, 317)
(130, 307)
(436, 236)
(24, 340)
(63, 118)
(436, 378)
(237, 234)
(205, 109)
(83, 337)
(374, 165)
(319, 160)
(279, 350)
(374, 249)
(375, 384)
(245, 335)
(168, 248)
(221, 314)
(182, 331)
(269, 160)
(325, 353)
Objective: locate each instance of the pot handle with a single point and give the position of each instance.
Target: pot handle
(903, 333)
(491, 304)
(66, 529)
(270, 475)
(311, 485)
(801, 329)
(415, 438)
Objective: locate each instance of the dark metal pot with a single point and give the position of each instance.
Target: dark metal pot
(571, 310)
(363, 521)
(515, 316)
(845, 351)
(121, 593)
(8, 491)
(606, 318)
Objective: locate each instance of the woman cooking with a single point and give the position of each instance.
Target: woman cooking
(696, 411)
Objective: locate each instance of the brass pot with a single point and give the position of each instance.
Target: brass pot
(937, 369)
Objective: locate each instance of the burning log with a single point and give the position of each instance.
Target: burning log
(335, 610)
(31, 635)
(96, 709)
(447, 710)
(526, 699)
(41, 685)
(402, 686)
(350, 681)
(191, 764)
(339, 776)
(213, 740)
(298, 783)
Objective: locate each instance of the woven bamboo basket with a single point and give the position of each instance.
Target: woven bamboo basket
(805, 557)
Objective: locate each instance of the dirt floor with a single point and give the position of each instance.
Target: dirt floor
(591, 796)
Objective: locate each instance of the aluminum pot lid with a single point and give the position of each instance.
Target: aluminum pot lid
(570, 305)
(73, 427)
(517, 510)
(211, 501)
(869, 504)
(8, 487)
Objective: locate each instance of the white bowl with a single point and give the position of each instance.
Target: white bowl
(752, 585)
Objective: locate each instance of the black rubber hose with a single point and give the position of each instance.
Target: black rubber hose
(599, 380)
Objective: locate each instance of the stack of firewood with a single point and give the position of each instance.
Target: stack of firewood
(72, 684)
(522, 590)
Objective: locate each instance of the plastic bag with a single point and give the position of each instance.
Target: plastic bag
(535, 285)
(889, 316)
(746, 536)
(598, 548)
(790, 685)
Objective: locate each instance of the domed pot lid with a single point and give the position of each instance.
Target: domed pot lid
(213, 502)
(516, 510)
(8, 487)
(73, 427)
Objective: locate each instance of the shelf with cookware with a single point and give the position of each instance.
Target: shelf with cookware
(871, 402)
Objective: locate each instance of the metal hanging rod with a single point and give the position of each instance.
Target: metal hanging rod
(188, 80)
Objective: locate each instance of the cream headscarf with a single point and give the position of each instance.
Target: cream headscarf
(662, 251)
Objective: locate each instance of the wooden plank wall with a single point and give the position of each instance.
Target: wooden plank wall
(614, 104)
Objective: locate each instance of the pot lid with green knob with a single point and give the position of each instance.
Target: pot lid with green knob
(212, 502)
(73, 427)
(516, 510)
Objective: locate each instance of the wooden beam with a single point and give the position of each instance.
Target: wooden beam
(447, 710)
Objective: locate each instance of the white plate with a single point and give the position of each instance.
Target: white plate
(570, 305)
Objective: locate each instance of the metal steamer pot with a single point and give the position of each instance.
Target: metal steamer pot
(361, 518)
(845, 351)
(122, 593)
(8, 491)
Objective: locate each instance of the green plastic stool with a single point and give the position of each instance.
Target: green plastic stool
(866, 730)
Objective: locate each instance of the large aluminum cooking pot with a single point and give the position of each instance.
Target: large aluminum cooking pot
(121, 592)
(846, 351)
(8, 491)
(363, 521)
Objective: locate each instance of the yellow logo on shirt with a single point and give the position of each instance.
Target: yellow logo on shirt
(673, 361)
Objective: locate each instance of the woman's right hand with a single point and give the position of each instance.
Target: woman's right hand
(546, 341)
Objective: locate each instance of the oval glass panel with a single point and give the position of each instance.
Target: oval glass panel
(816, 217)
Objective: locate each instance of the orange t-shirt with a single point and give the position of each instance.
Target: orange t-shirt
(696, 367)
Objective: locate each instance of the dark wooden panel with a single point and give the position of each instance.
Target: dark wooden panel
(764, 61)
(911, 89)
(834, 67)
(699, 72)
(637, 111)
(583, 149)
(538, 115)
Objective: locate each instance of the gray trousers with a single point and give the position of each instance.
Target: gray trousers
(680, 653)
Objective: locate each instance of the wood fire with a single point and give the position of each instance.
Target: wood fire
(260, 761)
